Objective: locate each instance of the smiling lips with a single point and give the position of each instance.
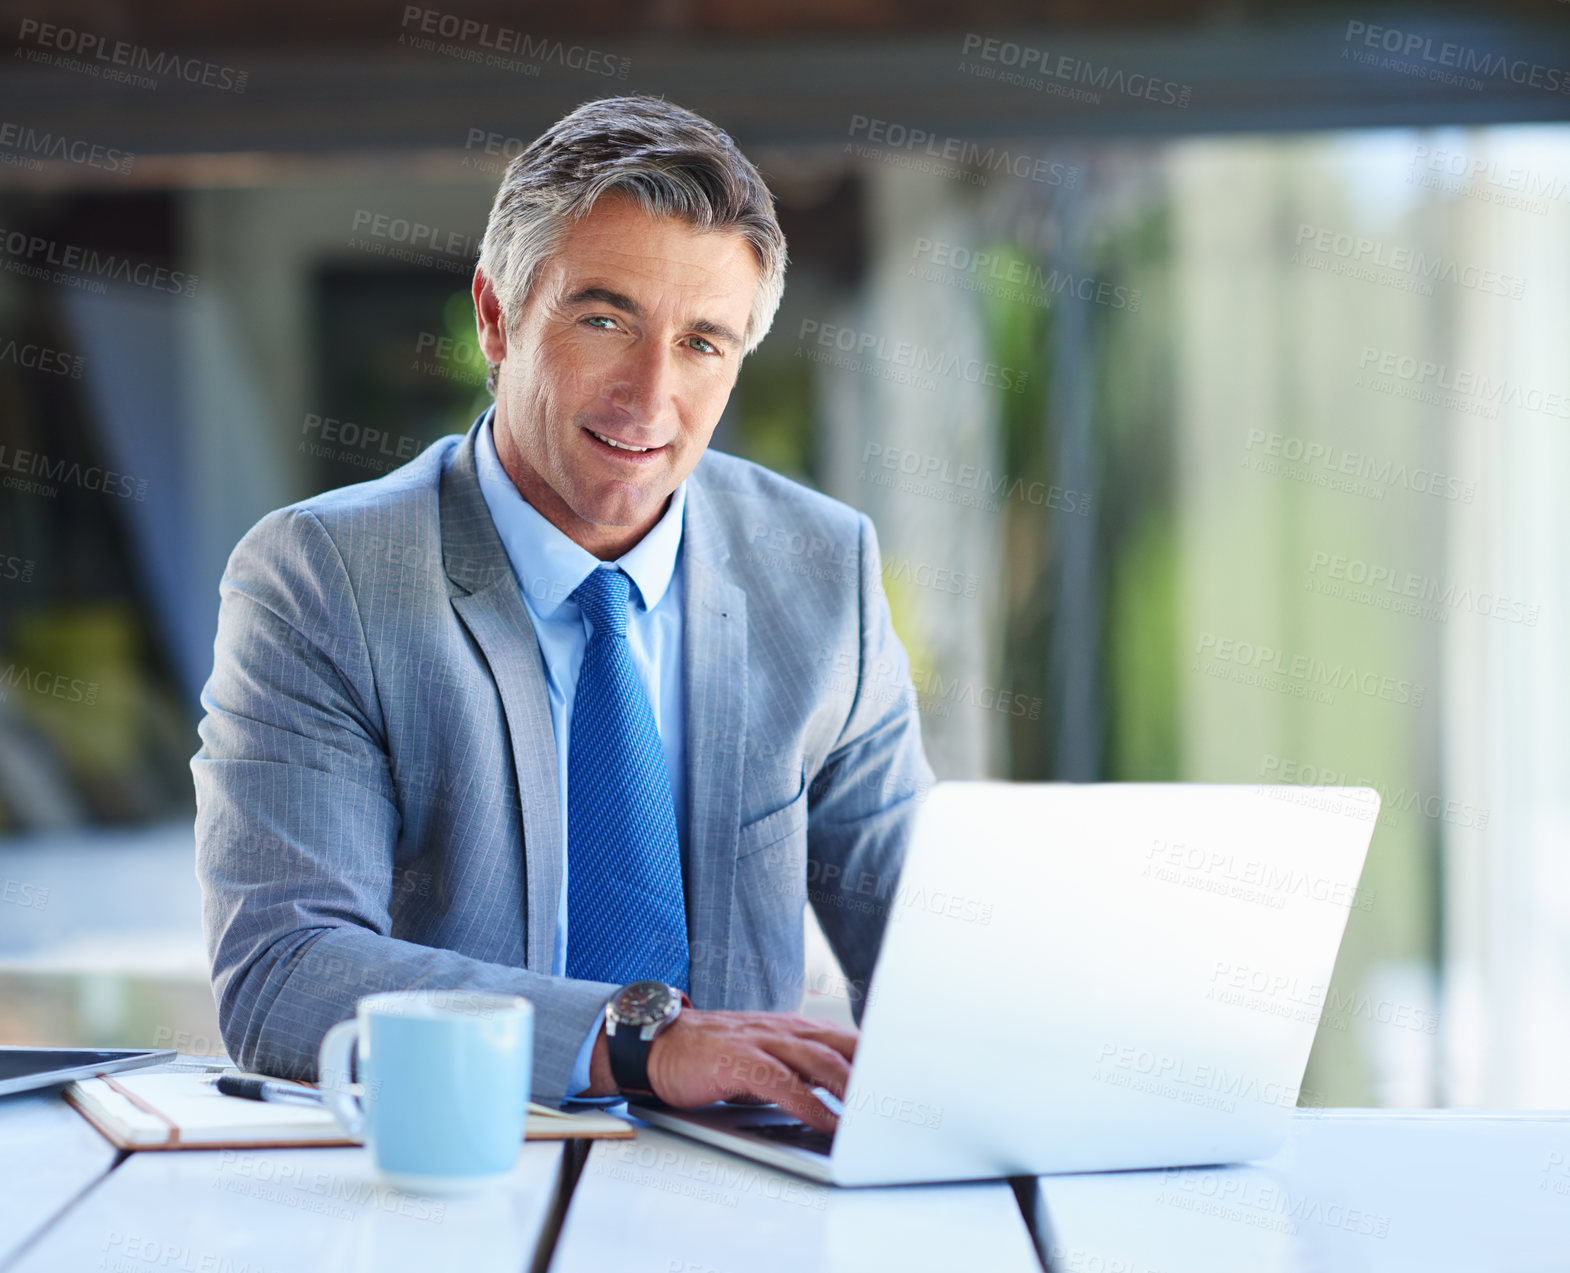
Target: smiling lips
(620, 446)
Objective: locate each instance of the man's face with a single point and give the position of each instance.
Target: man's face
(631, 338)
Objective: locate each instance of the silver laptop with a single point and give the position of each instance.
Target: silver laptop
(27, 1069)
(1085, 978)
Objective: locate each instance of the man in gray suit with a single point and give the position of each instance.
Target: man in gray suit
(570, 702)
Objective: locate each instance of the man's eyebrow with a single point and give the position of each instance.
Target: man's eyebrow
(606, 296)
(619, 300)
(719, 331)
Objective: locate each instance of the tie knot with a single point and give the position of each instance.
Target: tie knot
(603, 597)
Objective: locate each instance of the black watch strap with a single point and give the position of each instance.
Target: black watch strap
(629, 1057)
(628, 1044)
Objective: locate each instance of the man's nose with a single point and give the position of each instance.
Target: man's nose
(644, 386)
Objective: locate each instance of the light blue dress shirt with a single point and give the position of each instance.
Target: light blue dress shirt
(549, 567)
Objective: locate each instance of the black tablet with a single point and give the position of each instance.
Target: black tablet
(22, 1069)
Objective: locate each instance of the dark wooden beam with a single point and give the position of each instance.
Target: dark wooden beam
(401, 100)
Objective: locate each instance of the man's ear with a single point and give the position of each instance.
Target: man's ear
(489, 323)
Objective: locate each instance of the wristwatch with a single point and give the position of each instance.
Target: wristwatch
(633, 1017)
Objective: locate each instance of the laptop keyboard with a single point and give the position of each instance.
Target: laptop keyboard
(796, 1135)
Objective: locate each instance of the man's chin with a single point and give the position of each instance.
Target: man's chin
(621, 513)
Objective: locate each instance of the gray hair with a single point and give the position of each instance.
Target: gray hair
(669, 161)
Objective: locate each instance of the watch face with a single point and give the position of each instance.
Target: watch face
(643, 1002)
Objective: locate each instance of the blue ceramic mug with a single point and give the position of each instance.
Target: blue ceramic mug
(442, 1084)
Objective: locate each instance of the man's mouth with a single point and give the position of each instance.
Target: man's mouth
(620, 446)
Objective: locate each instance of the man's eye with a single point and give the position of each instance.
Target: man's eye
(601, 318)
(703, 346)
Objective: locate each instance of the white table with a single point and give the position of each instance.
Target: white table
(1354, 1191)
(48, 1157)
(664, 1204)
(294, 1211)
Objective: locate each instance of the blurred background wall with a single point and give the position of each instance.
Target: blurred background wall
(1201, 365)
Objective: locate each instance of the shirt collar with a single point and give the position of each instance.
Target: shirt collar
(550, 566)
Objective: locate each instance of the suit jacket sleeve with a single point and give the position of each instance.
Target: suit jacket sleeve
(864, 797)
(296, 824)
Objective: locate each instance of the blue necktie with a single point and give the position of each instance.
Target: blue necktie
(626, 913)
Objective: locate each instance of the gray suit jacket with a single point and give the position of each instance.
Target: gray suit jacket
(376, 789)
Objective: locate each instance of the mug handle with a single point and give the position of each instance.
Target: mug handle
(340, 1097)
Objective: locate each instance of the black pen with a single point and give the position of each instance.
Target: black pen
(262, 1090)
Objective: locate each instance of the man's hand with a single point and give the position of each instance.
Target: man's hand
(705, 1057)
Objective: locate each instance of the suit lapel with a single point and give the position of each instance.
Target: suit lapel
(485, 595)
(715, 653)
